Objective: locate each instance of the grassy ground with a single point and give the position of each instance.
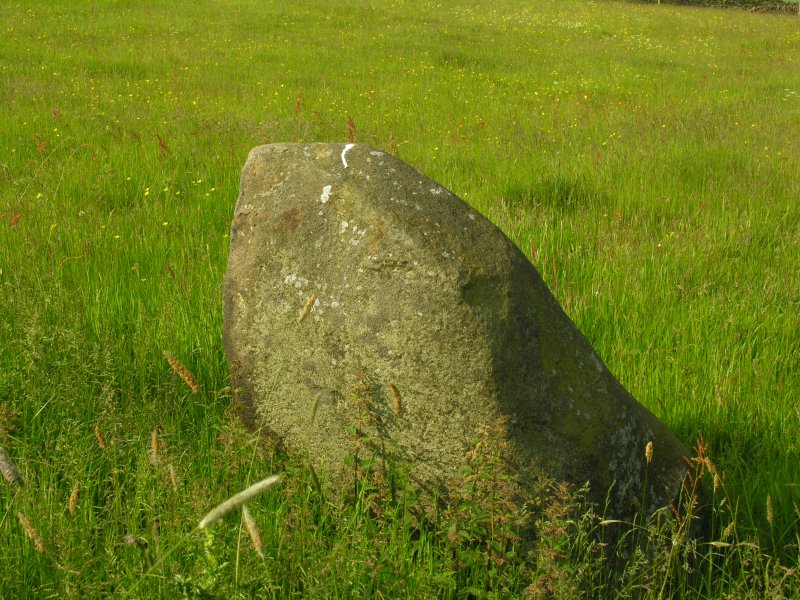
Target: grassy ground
(645, 157)
(785, 6)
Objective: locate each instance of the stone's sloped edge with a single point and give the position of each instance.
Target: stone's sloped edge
(355, 284)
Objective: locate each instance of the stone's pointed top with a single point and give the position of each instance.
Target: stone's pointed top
(426, 324)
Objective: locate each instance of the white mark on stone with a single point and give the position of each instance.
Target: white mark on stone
(343, 226)
(354, 242)
(376, 153)
(446, 254)
(295, 280)
(345, 151)
(598, 365)
(436, 191)
(326, 194)
(472, 216)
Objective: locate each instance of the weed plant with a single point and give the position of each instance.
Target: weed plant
(644, 156)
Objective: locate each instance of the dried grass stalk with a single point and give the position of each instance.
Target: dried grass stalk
(398, 400)
(9, 469)
(238, 500)
(314, 406)
(307, 308)
(181, 371)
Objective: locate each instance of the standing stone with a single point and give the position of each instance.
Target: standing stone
(361, 294)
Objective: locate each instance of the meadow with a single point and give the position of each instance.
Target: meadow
(645, 157)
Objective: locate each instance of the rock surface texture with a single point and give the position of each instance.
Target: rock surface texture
(362, 295)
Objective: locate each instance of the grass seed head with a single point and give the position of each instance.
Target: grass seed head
(181, 371)
(72, 503)
(153, 453)
(398, 400)
(238, 500)
(769, 510)
(648, 452)
(729, 530)
(173, 478)
(38, 542)
(101, 439)
(252, 529)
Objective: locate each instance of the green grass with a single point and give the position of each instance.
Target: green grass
(645, 157)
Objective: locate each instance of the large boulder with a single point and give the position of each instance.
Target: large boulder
(362, 295)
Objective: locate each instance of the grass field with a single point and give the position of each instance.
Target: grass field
(646, 158)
